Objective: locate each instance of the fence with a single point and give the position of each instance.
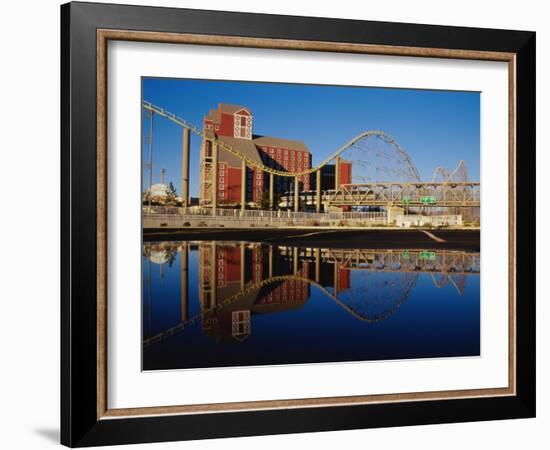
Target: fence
(420, 220)
(173, 217)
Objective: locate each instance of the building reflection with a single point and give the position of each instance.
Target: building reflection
(237, 272)
(239, 280)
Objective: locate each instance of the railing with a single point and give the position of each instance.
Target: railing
(444, 194)
(173, 216)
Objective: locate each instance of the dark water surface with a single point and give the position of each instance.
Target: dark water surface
(220, 303)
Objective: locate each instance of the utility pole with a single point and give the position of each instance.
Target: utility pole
(162, 172)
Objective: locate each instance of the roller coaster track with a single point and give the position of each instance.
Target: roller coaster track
(251, 163)
(460, 173)
(448, 265)
(443, 172)
(279, 279)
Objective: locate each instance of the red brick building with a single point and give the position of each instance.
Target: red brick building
(233, 125)
(328, 171)
(345, 172)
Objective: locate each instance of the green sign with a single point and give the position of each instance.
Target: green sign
(428, 200)
(430, 256)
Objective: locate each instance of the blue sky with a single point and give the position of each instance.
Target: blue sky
(436, 128)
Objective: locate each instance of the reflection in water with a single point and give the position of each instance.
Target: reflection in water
(216, 303)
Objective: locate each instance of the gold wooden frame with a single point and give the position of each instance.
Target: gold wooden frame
(103, 36)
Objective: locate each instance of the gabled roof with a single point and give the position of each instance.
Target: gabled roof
(270, 141)
(215, 116)
(232, 109)
(243, 146)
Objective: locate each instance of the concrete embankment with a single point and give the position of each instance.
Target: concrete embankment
(333, 238)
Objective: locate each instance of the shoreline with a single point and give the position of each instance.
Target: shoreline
(356, 238)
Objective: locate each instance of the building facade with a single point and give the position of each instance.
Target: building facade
(328, 175)
(232, 125)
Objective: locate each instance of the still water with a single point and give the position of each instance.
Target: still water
(220, 303)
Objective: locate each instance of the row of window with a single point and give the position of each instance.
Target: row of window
(285, 165)
(285, 153)
(210, 127)
(304, 180)
(285, 184)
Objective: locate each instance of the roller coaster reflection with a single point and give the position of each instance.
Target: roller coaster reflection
(238, 279)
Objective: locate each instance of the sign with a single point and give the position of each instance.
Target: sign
(428, 200)
(430, 256)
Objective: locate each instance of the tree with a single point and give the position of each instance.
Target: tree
(171, 193)
(276, 200)
(264, 201)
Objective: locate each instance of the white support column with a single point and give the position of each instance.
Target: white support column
(271, 188)
(296, 197)
(214, 275)
(270, 261)
(317, 265)
(242, 266)
(184, 252)
(336, 276)
(243, 186)
(337, 173)
(318, 191)
(185, 170)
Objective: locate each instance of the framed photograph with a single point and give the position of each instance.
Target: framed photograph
(276, 224)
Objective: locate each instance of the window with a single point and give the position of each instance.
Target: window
(243, 121)
(240, 323)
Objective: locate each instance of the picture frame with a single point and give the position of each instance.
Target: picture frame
(86, 418)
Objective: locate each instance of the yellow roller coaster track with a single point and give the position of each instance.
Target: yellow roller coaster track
(249, 162)
(279, 279)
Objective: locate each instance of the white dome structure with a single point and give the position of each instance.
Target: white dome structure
(159, 191)
(158, 256)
